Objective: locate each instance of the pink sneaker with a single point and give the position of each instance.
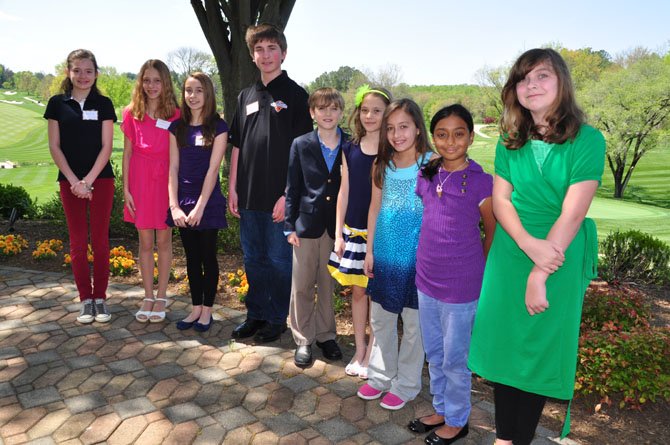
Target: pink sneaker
(367, 392)
(391, 401)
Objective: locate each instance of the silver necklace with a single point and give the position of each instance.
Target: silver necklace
(441, 182)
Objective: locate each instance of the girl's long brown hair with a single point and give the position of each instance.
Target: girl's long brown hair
(386, 150)
(167, 102)
(209, 115)
(563, 119)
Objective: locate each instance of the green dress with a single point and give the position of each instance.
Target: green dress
(537, 354)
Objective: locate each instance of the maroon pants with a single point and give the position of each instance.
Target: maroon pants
(76, 213)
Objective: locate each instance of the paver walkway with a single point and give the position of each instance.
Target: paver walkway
(126, 382)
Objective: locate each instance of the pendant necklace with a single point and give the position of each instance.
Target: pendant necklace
(441, 182)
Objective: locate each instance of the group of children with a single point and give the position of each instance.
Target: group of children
(379, 210)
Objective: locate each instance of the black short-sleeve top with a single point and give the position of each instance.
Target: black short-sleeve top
(81, 130)
(267, 119)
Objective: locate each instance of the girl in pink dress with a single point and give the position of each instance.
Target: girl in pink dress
(146, 159)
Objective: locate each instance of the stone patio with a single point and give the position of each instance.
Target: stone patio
(126, 382)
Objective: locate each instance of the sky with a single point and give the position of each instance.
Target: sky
(438, 42)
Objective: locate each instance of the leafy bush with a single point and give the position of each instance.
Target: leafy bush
(12, 196)
(633, 256)
(633, 364)
(625, 308)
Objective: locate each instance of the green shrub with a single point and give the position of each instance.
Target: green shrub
(625, 308)
(633, 366)
(52, 209)
(12, 196)
(229, 239)
(633, 256)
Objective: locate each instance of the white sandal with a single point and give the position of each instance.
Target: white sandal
(353, 369)
(143, 316)
(161, 314)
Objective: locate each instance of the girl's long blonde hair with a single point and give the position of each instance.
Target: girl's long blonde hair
(167, 102)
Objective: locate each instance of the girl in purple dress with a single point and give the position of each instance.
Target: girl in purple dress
(456, 195)
(197, 207)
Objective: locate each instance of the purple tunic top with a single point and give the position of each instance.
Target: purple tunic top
(450, 256)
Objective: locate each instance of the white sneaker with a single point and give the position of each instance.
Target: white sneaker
(87, 312)
(102, 314)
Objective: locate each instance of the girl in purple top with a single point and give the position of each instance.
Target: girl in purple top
(197, 207)
(456, 195)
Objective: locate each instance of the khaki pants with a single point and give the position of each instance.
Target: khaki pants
(312, 317)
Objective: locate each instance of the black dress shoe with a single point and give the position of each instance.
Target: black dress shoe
(330, 349)
(434, 439)
(248, 328)
(418, 426)
(303, 356)
(270, 332)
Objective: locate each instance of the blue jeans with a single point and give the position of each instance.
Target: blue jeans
(446, 330)
(267, 262)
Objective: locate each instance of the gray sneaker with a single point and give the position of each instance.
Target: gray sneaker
(87, 313)
(102, 314)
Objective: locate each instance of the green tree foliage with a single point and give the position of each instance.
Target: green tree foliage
(339, 79)
(631, 106)
(115, 86)
(586, 65)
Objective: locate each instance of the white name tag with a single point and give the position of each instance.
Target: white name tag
(90, 115)
(199, 141)
(252, 108)
(160, 123)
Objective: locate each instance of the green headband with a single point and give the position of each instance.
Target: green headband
(363, 91)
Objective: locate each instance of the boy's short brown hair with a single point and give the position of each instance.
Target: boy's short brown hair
(325, 97)
(265, 31)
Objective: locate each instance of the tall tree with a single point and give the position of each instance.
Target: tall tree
(493, 79)
(224, 24)
(585, 64)
(631, 106)
(187, 60)
(339, 79)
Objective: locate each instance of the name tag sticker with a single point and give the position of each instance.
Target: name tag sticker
(160, 123)
(199, 141)
(90, 115)
(252, 108)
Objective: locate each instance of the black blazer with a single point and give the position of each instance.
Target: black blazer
(311, 190)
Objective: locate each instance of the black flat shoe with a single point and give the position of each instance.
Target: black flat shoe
(203, 327)
(330, 349)
(183, 325)
(270, 332)
(303, 356)
(418, 426)
(434, 439)
(248, 328)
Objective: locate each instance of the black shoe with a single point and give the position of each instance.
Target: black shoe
(248, 328)
(270, 332)
(203, 327)
(418, 426)
(434, 439)
(303, 356)
(330, 349)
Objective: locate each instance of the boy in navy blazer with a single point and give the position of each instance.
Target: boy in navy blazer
(312, 185)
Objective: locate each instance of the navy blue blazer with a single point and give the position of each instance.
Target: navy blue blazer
(311, 190)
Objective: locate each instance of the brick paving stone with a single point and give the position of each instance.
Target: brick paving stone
(39, 358)
(391, 434)
(96, 381)
(29, 375)
(110, 349)
(82, 330)
(128, 431)
(53, 342)
(183, 412)
(266, 437)
(182, 433)
(133, 407)
(188, 357)
(8, 412)
(162, 390)
(48, 424)
(238, 436)
(73, 379)
(116, 334)
(293, 439)
(212, 434)
(125, 366)
(232, 396)
(210, 375)
(155, 433)
(6, 389)
(85, 402)
(281, 400)
(328, 406)
(165, 371)
(85, 361)
(209, 395)
(22, 422)
(352, 408)
(101, 428)
(250, 362)
(44, 304)
(344, 387)
(299, 383)
(234, 418)
(39, 397)
(256, 399)
(117, 385)
(253, 379)
(285, 423)
(304, 404)
(209, 358)
(231, 360)
(93, 343)
(44, 327)
(155, 337)
(9, 352)
(140, 387)
(73, 427)
(130, 350)
(11, 371)
(42, 441)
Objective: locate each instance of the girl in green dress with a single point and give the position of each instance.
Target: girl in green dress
(548, 166)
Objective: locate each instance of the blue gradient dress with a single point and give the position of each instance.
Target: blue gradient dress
(396, 240)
